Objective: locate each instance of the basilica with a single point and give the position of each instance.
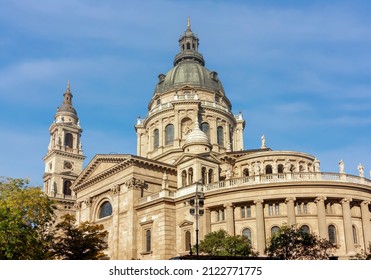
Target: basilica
(191, 175)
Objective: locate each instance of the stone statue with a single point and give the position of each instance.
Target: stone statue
(316, 165)
(361, 170)
(341, 166)
(263, 142)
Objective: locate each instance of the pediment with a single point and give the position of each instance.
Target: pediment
(185, 223)
(187, 157)
(100, 164)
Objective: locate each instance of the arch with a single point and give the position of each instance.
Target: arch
(184, 178)
(203, 174)
(67, 187)
(268, 169)
(68, 140)
(169, 134)
(220, 135)
(246, 232)
(187, 240)
(190, 176)
(205, 127)
(211, 176)
(188, 46)
(332, 234)
(305, 229)
(156, 138)
(105, 210)
(281, 168)
(274, 230)
(245, 172)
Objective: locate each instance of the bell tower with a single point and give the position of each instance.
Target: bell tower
(64, 159)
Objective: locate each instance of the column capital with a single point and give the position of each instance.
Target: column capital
(115, 190)
(345, 200)
(365, 202)
(290, 199)
(228, 205)
(320, 198)
(258, 201)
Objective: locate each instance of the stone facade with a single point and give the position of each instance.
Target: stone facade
(190, 142)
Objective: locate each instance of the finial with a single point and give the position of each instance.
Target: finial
(189, 23)
(68, 85)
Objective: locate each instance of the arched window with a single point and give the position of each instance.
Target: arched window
(211, 174)
(206, 128)
(305, 229)
(246, 172)
(274, 230)
(220, 136)
(332, 234)
(190, 176)
(169, 134)
(187, 240)
(156, 138)
(355, 236)
(184, 178)
(105, 210)
(68, 140)
(203, 173)
(67, 187)
(188, 46)
(148, 241)
(268, 169)
(280, 168)
(247, 233)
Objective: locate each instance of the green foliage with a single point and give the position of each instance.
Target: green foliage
(26, 214)
(84, 242)
(291, 243)
(220, 243)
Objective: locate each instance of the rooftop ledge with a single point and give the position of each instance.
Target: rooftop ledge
(260, 180)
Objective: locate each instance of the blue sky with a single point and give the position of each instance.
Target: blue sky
(299, 71)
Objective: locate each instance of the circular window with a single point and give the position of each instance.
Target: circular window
(105, 210)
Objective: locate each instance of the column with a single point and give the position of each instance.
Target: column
(206, 223)
(260, 228)
(230, 218)
(366, 224)
(347, 220)
(291, 218)
(321, 216)
(115, 193)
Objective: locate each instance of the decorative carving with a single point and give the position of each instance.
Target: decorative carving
(88, 201)
(345, 200)
(135, 183)
(290, 199)
(258, 201)
(77, 205)
(115, 190)
(320, 198)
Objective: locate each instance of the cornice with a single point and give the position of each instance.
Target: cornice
(65, 154)
(123, 161)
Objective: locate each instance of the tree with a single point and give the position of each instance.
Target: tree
(291, 243)
(220, 243)
(26, 215)
(83, 242)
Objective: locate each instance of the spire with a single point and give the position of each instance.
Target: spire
(67, 101)
(188, 45)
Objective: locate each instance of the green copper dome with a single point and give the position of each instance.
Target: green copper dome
(189, 68)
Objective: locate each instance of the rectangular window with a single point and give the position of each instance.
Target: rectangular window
(243, 212)
(277, 209)
(270, 209)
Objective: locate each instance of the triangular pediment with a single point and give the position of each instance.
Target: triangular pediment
(187, 157)
(185, 223)
(99, 165)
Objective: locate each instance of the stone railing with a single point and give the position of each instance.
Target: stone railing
(260, 180)
(288, 177)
